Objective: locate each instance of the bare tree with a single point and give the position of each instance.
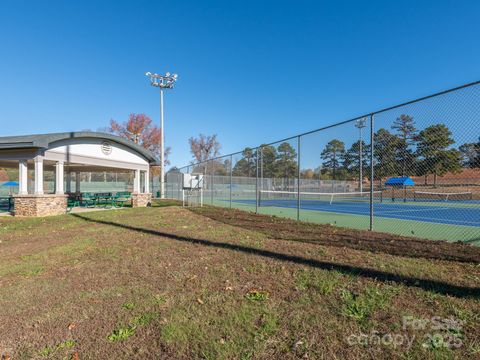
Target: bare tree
(204, 147)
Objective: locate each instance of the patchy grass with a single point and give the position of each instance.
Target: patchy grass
(166, 282)
(360, 306)
(122, 333)
(257, 295)
(322, 281)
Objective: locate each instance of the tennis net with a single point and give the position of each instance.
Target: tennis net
(279, 198)
(435, 196)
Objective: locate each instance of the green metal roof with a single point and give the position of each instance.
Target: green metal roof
(44, 141)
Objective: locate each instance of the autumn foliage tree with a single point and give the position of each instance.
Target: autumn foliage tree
(140, 129)
(3, 175)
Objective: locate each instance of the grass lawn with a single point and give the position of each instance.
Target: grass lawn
(213, 283)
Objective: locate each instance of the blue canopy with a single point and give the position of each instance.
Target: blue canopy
(10, 183)
(399, 181)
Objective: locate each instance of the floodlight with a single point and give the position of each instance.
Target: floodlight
(163, 82)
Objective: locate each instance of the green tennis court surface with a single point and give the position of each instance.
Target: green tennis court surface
(438, 220)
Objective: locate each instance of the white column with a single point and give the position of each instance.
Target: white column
(38, 175)
(136, 182)
(59, 178)
(22, 177)
(69, 182)
(77, 182)
(147, 181)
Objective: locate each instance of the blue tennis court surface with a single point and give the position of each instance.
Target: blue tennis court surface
(438, 213)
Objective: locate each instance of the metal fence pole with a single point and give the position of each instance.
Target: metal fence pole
(298, 178)
(211, 181)
(231, 178)
(261, 169)
(256, 181)
(372, 145)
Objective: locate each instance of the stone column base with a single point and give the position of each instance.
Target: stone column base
(141, 200)
(40, 205)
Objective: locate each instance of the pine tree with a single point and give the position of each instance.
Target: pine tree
(351, 158)
(433, 147)
(406, 131)
(385, 152)
(333, 153)
(286, 164)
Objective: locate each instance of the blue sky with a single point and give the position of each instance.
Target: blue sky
(250, 71)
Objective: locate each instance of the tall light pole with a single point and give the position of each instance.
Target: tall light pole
(163, 82)
(360, 124)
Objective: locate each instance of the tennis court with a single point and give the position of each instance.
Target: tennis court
(438, 213)
(457, 219)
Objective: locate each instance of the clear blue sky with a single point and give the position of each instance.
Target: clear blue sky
(250, 71)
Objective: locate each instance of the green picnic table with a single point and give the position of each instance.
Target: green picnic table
(6, 203)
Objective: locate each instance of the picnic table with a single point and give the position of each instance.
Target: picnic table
(6, 203)
(122, 197)
(105, 199)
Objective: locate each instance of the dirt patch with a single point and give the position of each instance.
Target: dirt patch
(286, 229)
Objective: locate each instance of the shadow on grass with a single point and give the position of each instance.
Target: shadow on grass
(165, 202)
(317, 234)
(428, 285)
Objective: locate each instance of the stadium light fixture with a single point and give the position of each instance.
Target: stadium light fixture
(360, 124)
(163, 82)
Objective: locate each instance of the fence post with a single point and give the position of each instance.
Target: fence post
(372, 145)
(261, 172)
(298, 178)
(231, 182)
(211, 190)
(256, 181)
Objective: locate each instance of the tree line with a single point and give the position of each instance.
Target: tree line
(401, 151)
(280, 161)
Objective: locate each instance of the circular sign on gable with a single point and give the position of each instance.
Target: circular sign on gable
(106, 148)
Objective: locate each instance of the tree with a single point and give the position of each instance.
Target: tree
(241, 168)
(223, 168)
(318, 172)
(433, 147)
(286, 164)
(268, 161)
(351, 158)
(204, 147)
(216, 167)
(470, 154)
(333, 152)
(140, 129)
(406, 131)
(476, 161)
(385, 153)
(307, 174)
(3, 175)
(247, 165)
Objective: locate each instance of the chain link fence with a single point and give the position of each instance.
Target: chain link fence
(411, 169)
